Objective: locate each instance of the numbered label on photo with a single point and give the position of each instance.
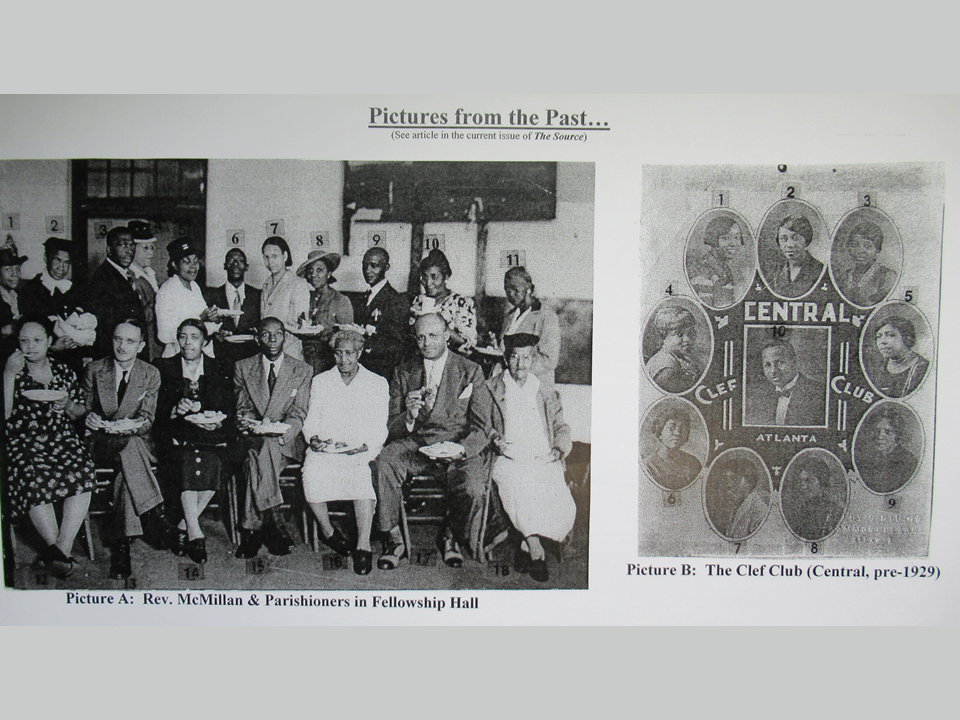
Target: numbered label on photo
(910, 293)
(721, 198)
(424, 558)
(101, 228)
(236, 238)
(319, 239)
(499, 569)
(433, 241)
(868, 198)
(376, 238)
(257, 566)
(55, 224)
(275, 227)
(189, 572)
(891, 503)
(672, 499)
(790, 191)
(11, 221)
(513, 258)
(333, 562)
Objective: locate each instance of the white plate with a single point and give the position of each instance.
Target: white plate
(239, 338)
(230, 313)
(117, 426)
(211, 417)
(44, 395)
(334, 450)
(489, 351)
(269, 428)
(309, 330)
(442, 450)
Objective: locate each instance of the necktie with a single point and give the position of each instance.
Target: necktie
(271, 378)
(132, 279)
(235, 304)
(122, 387)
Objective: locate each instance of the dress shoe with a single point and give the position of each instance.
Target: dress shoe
(120, 560)
(394, 553)
(197, 550)
(158, 532)
(54, 561)
(276, 539)
(452, 556)
(362, 561)
(337, 542)
(250, 542)
(521, 561)
(539, 571)
(178, 544)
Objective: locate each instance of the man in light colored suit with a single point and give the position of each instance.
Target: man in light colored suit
(271, 387)
(122, 387)
(438, 397)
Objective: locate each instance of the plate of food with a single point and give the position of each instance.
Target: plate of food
(270, 428)
(208, 417)
(337, 448)
(309, 330)
(489, 351)
(120, 426)
(443, 450)
(229, 313)
(239, 338)
(44, 395)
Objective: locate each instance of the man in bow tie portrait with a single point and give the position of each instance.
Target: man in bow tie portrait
(784, 396)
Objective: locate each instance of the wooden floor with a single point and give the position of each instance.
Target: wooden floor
(303, 569)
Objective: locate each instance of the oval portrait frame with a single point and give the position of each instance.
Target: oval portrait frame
(870, 329)
(863, 423)
(691, 408)
(697, 310)
(884, 221)
(821, 239)
(765, 474)
(832, 460)
(696, 232)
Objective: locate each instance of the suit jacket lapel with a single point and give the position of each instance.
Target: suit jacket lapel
(281, 391)
(257, 386)
(107, 389)
(131, 399)
(449, 383)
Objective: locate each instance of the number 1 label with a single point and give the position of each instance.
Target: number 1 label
(11, 221)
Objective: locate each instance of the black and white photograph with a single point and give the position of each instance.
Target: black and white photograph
(737, 494)
(866, 256)
(677, 344)
(296, 374)
(801, 364)
(897, 349)
(813, 494)
(786, 376)
(673, 443)
(888, 447)
(721, 258)
(792, 247)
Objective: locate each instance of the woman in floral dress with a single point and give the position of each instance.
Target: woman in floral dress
(47, 460)
(459, 312)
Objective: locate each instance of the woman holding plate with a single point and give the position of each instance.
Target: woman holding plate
(193, 412)
(328, 308)
(46, 459)
(346, 426)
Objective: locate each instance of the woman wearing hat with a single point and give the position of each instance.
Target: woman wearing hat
(10, 311)
(180, 298)
(328, 308)
(284, 296)
(146, 283)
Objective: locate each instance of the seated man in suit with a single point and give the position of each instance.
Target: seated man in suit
(235, 295)
(438, 397)
(111, 292)
(271, 387)
(794, 399)
(384, 313)
(122, 387)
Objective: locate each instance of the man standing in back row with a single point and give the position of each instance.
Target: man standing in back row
(112, 290)
(384, 313)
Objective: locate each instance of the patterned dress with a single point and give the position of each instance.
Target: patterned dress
(459, 312)
(47, 459)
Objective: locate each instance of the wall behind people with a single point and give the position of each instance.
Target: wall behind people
(245, 194)
(36, 190)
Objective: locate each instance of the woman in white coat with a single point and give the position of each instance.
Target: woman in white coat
(345, 427)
